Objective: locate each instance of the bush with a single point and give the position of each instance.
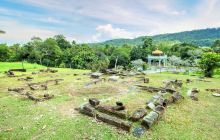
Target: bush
(209, 62)
(100, 65)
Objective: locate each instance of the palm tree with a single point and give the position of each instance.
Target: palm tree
(2, 32)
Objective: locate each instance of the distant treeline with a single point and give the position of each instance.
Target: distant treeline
(58, 52)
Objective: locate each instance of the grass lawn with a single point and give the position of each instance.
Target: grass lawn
(54, 119)
(4, 66)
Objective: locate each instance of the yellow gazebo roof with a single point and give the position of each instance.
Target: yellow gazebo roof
(157, 52)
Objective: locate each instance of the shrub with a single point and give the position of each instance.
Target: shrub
(209, 62)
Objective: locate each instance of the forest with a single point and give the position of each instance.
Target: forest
(58, 52)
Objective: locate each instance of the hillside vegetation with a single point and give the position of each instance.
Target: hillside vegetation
(203, 37)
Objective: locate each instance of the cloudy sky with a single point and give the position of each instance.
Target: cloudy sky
(99, 20)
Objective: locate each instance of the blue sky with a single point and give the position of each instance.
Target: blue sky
(99, 20)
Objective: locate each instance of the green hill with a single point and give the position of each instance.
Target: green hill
(202, 37)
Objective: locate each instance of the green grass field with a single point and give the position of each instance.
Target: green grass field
(56, 119)
(4, 66)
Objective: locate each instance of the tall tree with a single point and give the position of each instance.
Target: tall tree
(50, 52)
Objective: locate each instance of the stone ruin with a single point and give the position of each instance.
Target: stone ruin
(44, 85)
(215, 92)
(193, 94)
(10, 73)
(29, 95)
(118, 115)
(48, 70)
(28, 78)
(36, 86)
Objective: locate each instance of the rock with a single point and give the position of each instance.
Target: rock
(159, 109)
(150, 119)
(31, 97)
(10, 73)
(188, 81)
(111, 111)
(138, 114)
(53, 71)
(49, 70)
(149, 88)
(118, 108)
(146, 80)
(151, 105)
(94, 101)
(118, 103)
(29, 78)
(175, 97)
(95, 75)
(170, 90)
(193, 94)
(48, 96)
(125, 125)
(139, 131)
(90, 111)
(38, 86)
(35, 72)
(173, 83)
(216, 94)
(195, 90)
(19, 90)
(217, 90)
(113, 78)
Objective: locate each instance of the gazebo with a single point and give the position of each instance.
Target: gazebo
(157, 58)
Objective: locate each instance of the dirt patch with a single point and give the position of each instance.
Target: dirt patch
(97, 89)
(67, 109)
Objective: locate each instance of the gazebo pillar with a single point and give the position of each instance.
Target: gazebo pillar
(159, 62)
(149, 61)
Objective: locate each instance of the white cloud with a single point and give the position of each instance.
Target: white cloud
(20, 33)
(108, 31)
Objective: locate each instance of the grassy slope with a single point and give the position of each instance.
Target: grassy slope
(4, 66)
(56, 118)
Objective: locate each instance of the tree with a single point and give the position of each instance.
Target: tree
(216, 46)
(119, 57)
(4, 52)
(174, 60)
(62, 42)
(147, 46)
(209, 62)
(139, 64)
(50, 52)
(15, 52)
(83, 56)
(181, 50)
(147, 42)
(137, 53)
